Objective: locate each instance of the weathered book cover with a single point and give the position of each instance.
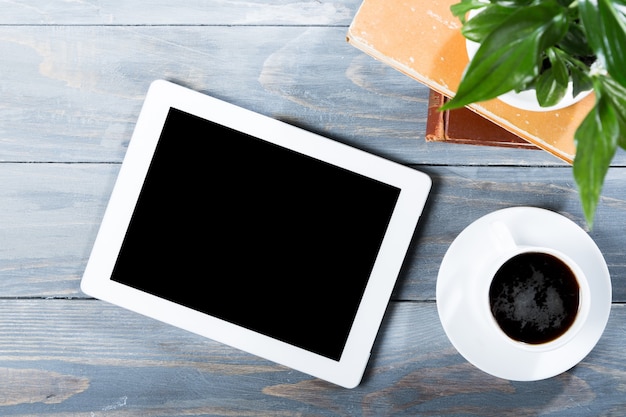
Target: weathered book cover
(422, 39)
(466, 127)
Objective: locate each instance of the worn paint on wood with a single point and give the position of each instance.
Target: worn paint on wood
(72, 79)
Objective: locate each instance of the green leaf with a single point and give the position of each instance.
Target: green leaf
(559, 67)
(622, 4)
(513, 3)
(549, 90)
(616, 95)
(614, 41)
(510, 56)
(461, 8)
(575, 42)
(485, 22)
(605, 28)
(590, 19)
(596, 142)
(580, 80)
(551, 85)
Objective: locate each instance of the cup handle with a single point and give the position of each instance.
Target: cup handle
(503, 236)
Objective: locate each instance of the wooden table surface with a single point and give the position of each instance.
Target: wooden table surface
(73, 75)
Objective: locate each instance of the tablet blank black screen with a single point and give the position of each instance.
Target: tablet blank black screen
(255, 234)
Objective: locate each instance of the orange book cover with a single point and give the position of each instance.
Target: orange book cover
(422, 39)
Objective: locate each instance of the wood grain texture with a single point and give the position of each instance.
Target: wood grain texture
(463, 194)
(51, 214)
(195, 12)
(104, 361)
(87, 90)
(73, 76)
(48, 222)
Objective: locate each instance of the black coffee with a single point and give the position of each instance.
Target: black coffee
(534, 297)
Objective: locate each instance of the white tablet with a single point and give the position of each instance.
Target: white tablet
(255, 233)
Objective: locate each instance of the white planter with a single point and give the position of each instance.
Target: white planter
(527, 100)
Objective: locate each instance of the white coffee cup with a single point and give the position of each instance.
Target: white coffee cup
(527, 306)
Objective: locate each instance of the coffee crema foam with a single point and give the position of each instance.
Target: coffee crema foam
(534, 297)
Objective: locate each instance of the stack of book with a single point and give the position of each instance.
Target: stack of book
(465, 126)
(422, 39)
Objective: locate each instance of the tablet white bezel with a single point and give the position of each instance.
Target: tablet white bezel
(414, 188)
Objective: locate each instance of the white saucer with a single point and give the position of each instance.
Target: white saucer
(458, 297)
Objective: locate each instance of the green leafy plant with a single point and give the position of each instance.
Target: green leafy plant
(544, 45)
